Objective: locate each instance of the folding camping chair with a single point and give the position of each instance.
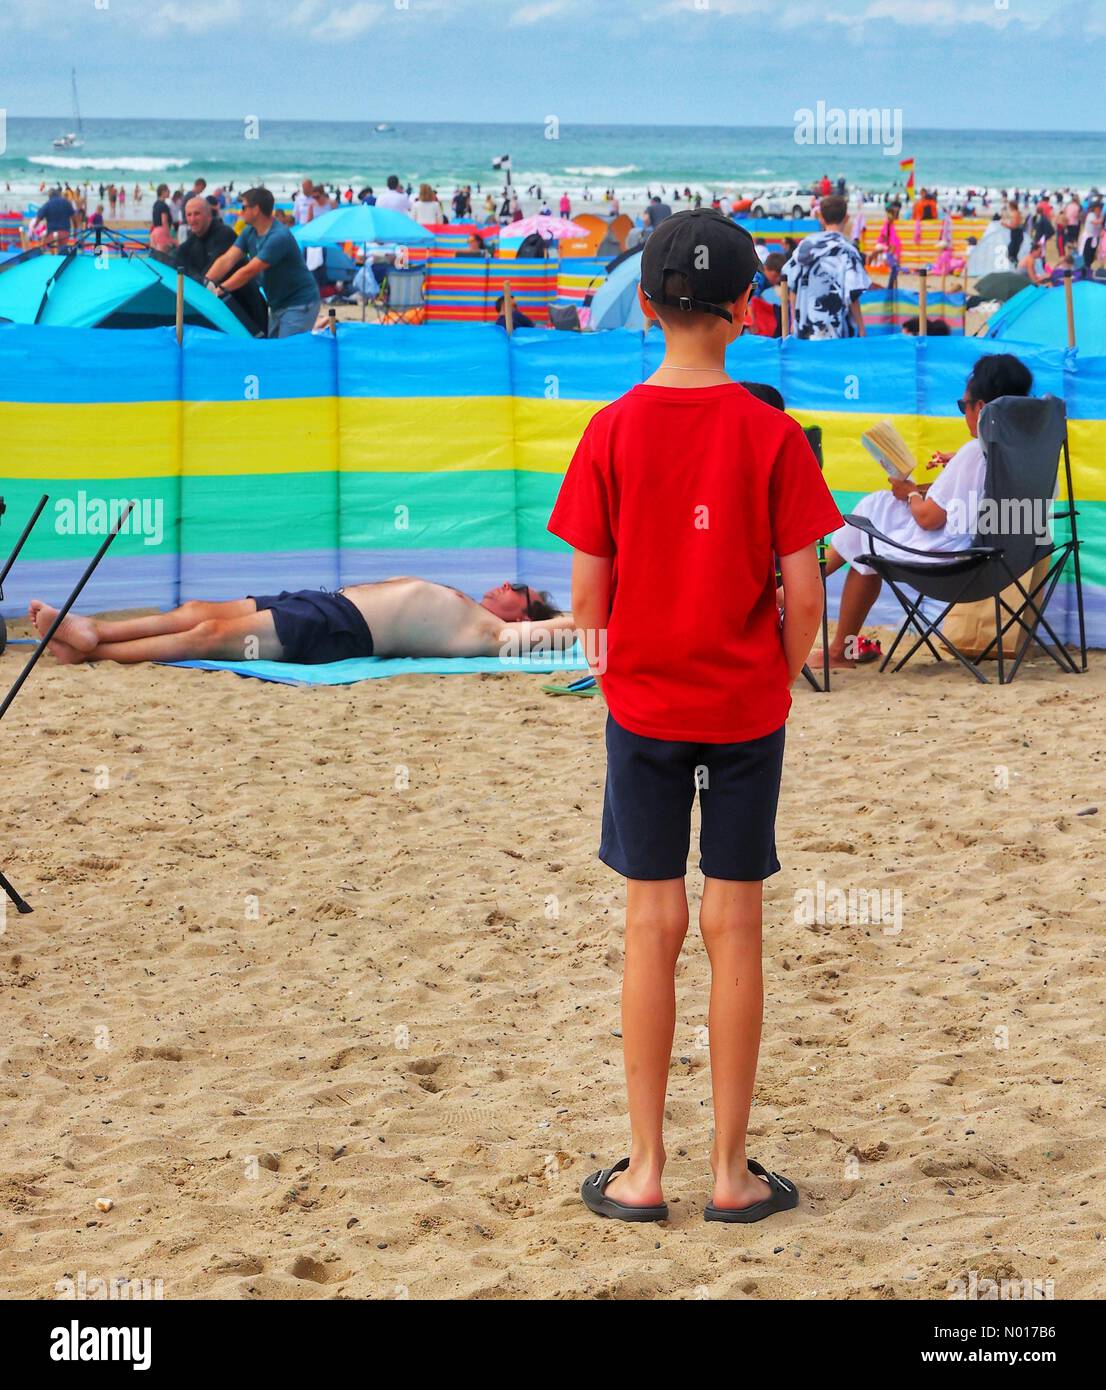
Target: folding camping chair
(814, 435)
(1023, 439)
(565, 317)
(403, 300)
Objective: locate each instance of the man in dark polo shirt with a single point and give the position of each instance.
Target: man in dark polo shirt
(208, 238)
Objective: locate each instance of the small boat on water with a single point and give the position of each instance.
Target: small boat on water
(383, 128)
(73, 139)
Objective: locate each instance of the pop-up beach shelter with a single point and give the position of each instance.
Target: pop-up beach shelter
(81, 291)
(1040, 315)
(615, 303)
(991, 253)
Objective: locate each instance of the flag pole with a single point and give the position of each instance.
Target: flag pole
(1069, 294)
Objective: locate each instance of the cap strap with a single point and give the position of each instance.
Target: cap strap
(685, 303)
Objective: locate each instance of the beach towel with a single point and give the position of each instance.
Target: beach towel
(376, 668)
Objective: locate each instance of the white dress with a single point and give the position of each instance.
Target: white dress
(958, 491)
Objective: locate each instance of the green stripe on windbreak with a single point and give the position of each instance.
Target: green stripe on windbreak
(80, 513)
(398, 511)
(258, 513)
(538, 492)
(254, 513)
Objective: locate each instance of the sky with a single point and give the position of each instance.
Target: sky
(976, 64)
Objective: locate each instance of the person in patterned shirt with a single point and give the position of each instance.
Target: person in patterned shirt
(826, 276)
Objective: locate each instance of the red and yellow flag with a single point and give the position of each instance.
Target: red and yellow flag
(909, 164)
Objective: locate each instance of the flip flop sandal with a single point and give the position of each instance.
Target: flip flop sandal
(584, 687)
(868, 650)
(594, 1192)
(783, 1196)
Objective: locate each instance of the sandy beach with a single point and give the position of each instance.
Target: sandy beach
(321, 993)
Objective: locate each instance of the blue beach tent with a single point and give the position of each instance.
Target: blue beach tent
(1040, 315)
(82, 291)
(615, 303)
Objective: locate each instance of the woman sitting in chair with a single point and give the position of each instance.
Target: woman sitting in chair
(938, 516)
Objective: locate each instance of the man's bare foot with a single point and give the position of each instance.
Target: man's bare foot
(79, 634)
(67, 655)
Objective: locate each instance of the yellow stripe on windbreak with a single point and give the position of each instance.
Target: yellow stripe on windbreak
(89, 441)
(405, 435)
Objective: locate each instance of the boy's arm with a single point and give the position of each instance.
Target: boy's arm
(804, 599)
(591, 606)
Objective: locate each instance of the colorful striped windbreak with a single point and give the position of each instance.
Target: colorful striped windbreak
(434, 450)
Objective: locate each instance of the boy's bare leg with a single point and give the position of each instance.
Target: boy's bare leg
(730, 920)
(656, 924)
(84, 634)
(249, 637)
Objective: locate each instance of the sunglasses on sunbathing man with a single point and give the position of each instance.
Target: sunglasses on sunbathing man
(963, 404)
(524, 590)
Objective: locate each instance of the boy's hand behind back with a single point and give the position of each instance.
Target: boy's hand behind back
(804, 599)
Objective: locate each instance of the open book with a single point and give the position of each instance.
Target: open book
(887, 446)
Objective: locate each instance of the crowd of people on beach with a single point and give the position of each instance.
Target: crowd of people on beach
(823, 275)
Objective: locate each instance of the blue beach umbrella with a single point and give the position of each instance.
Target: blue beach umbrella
(1040, 315)
(362, 224)
(116, 292)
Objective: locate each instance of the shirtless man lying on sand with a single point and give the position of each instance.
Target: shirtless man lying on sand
(396, 617)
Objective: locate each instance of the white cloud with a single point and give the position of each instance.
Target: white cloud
(540, 10)
(925, 14)
(327, 22)
(191, 16)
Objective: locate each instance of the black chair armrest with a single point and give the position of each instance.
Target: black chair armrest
(863, 524)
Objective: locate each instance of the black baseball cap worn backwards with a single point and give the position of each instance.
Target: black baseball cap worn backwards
(718, 257)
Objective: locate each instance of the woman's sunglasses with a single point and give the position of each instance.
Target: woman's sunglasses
(964, 406)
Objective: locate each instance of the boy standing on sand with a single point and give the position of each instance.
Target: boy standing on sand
(678, 500)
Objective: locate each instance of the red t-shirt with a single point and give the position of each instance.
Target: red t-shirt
(693, 493)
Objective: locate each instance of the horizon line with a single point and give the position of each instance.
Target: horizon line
(540, 121)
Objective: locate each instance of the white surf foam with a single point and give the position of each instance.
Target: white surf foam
(602, 171)
(134, 164)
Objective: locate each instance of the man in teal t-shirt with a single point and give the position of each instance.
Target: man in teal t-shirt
(270, 251)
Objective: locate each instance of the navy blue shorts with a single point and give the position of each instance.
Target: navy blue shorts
(314, 626)
(651, 785)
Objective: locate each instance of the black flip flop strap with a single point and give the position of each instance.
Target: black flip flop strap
(600, 1179)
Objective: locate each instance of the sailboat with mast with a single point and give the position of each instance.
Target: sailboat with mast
(73, 139)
